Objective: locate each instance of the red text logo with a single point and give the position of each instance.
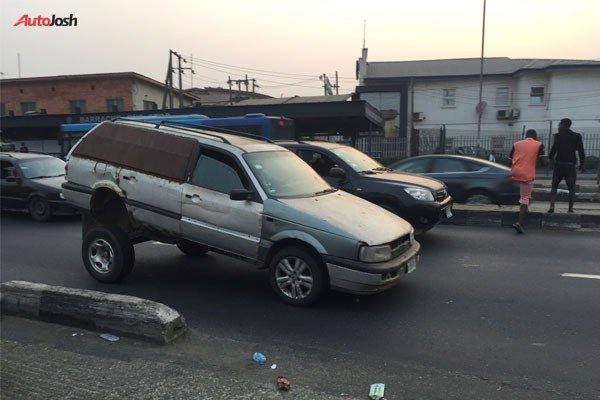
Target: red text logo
(26, 20)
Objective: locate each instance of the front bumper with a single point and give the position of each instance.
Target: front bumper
(425, 215)
(358, 277)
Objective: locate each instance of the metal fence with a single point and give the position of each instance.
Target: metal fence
(387, 148)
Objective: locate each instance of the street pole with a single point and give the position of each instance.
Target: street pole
(479, 105)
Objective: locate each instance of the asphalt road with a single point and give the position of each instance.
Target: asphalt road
(487, 313)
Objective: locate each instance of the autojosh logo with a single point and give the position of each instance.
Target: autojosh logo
(26, 20)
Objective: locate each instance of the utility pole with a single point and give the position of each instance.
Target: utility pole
(336, 86)
(230, 93)
(480, 105)
(168, 84)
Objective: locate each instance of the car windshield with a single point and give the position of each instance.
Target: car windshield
(282, 174)
(44, 167)
(359, 161)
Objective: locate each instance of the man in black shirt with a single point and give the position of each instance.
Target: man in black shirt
(566, 143)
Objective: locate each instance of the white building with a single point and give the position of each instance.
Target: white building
(517, 94)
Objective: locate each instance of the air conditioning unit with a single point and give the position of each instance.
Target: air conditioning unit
(503, 114)
(515, 113)
(418, 116)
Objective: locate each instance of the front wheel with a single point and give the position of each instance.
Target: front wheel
(297, 276)
(479, 197)
(39, 209)
(107, 253)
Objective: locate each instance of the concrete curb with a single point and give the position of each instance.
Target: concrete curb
(535, 220)
(118, 314)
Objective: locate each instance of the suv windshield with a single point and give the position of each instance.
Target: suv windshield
(45, 167)
(283, 174)
(359, 161)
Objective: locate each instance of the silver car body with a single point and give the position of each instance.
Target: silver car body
(335, 224)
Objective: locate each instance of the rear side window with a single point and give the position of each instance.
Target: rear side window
(219, 172)
(448, 165)
(415, 166)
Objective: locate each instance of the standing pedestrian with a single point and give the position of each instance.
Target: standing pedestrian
(566, 144)
(492, 156)
(524, 155)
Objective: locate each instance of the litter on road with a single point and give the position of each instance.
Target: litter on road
(259, 358)
(109, 337)
(283, 383)
(377, 391)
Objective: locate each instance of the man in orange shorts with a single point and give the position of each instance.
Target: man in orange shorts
(524, 155)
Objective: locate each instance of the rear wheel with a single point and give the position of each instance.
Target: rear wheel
(297, 276)
(107, 253)
(191, 248)
(479, 197)
(39, 209)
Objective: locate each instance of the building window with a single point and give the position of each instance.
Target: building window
(502, 95)
(114, 105)
(28, 107)
(537, 96)
(77, 106)
(150, 105)
(449, 99)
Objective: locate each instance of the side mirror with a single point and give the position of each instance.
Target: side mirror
(337, 172)
(240, 195)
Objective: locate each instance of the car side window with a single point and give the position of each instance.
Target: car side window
(8, 170)
(416, 166)
(442, 165)
(321, 163)
(219, 172)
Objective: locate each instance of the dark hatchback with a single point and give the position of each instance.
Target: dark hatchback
(32, 182)
(469, 179)
(421, 201)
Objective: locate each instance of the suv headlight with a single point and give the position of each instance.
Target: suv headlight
(61, 195)
(375, 253)
(419, 194)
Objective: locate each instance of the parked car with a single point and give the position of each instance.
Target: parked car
(240, 195)
(422, 201)
(33, 182)
(469, 179)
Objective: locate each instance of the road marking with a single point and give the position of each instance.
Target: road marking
(581, 276)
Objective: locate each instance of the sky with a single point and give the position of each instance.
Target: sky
(285, 45)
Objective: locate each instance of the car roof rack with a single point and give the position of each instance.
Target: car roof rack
(200, 129)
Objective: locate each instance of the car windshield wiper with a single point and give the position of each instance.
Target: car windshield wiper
(329, 190)
(46, 176)
(385, 169)
(367, 172)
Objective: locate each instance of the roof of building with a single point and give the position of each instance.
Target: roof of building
(296, 100)
(468, 67)
(81, 77)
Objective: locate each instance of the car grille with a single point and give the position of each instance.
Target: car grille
(400, 245)
(441, 195)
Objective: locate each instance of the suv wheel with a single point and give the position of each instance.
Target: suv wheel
(39, 209)
(297, 276)
(107, 253)
(191, 248)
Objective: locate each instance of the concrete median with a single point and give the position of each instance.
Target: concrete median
(118, 314)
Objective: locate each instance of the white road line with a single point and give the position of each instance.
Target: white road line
(581, 276)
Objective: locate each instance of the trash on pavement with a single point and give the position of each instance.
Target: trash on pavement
(283, 383)
(259, 358)
(377, 391)
(273, 366)
(109, 337)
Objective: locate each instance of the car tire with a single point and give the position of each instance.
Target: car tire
(479, 197)
(192, 249)
(297, 276)
(39, 209)
(108, 253)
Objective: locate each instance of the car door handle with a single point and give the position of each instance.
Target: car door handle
(195, 198)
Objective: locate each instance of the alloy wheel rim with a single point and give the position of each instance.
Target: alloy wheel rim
(294, 277)
(101, 256)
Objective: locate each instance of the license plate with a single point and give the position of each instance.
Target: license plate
(448, 212)
(411, 266)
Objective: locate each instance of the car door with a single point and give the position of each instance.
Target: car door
(322, 164)
(11, 182)
(454, 172)
(210, 217)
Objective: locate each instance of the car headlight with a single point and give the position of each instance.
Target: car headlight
(61, 195)
(419, 194)
(375, 253)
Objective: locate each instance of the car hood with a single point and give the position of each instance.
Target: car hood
(409, 179)
(342, 214)
(53, 184)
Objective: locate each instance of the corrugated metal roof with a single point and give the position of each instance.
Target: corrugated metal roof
(465, 67)
(295, 100)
